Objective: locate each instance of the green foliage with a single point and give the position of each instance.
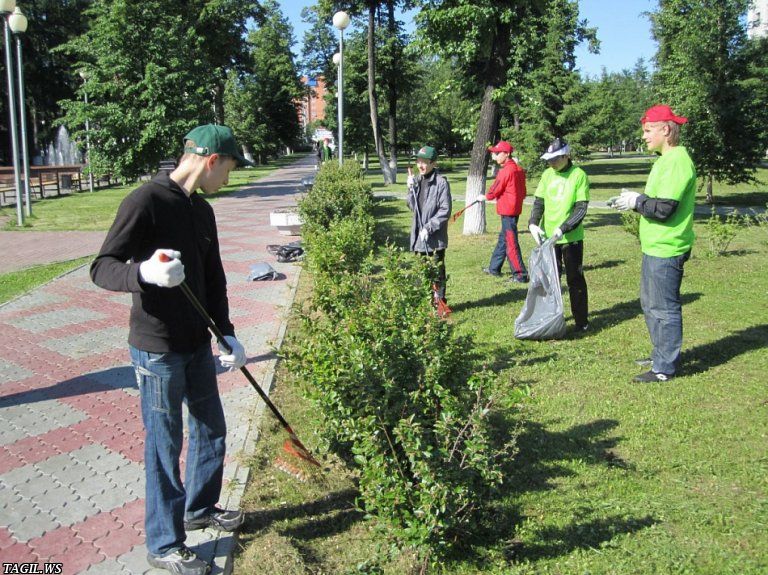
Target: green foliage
(261, 99)
(154, 70)
(721, 232)
(396, 387)
(704, 73)
(630, 223)
(398, 391)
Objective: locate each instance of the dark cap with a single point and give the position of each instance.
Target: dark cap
(557, 147)
(427, 153)
(215, 139)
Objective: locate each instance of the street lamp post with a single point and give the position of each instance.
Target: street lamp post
(84, 76)
(7, 7)
(341, 21)
(18, 25)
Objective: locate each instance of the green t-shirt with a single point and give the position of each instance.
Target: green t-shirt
(672, 177)
(560, 190)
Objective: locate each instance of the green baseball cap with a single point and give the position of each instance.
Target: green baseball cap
(215, 139)
(427, 153)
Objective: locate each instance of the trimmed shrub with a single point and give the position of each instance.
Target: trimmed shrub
(400, 396)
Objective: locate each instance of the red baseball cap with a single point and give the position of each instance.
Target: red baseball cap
(661, 113)
(501, 146)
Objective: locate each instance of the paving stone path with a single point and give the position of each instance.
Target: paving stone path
(71, 438)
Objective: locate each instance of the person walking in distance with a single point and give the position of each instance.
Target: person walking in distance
(165, 233)
(559, 207)
(508, 190)
(666, 238)
(429, 198)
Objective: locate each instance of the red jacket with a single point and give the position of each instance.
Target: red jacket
(508, 189)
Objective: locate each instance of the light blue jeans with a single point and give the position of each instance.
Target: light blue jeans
(663, 309)
(166, 380)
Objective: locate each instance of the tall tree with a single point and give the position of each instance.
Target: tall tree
(703, 72)
(550, 83)
(376, 14)
(264, 115)
(148, 82)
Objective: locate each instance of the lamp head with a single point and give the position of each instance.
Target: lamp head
(337, 58)
(17, 22)
(340, 20)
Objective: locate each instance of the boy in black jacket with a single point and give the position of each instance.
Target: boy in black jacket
(166, 219)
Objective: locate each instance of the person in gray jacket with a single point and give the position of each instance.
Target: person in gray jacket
(429, 198)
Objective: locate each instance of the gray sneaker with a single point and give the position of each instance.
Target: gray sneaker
(181, 562)
(219, 519)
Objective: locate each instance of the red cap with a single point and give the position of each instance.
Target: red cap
(661, 113)
(501, 146)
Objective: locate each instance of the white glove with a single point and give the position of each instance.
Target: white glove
(424, 235)
(557, 234)
(410, 182)
(536, 233)
(234, 360)
(626, 201)
(481, 198)
(162, 273)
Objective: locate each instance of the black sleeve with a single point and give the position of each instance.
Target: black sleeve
(577, 215)
(536, 212)
(655, 208)
(115, 267)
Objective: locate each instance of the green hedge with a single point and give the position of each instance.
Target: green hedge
(401, 398)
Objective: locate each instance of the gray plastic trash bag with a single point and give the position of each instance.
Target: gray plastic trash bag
(542, 314)
(262, 272)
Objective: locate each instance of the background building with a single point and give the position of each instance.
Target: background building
(757, 19)
(312, 106)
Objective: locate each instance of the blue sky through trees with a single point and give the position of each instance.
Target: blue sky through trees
(624, 32)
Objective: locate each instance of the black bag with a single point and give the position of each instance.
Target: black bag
(289, 253)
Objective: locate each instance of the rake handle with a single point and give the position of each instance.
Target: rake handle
(223, 342)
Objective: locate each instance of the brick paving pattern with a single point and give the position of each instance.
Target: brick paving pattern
(71, 439)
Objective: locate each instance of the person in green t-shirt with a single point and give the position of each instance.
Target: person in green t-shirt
(559, 207)
(666, 238)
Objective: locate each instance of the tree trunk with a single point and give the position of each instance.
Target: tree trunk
(710, 197)
(392, 97)
(474, 218)
(487, 126)
(218, 103)
(373, 98)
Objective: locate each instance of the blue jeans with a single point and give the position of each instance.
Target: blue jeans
(508, 248)
(663, 309)
(165, 381)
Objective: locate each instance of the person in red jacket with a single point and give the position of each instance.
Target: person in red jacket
(508, 190)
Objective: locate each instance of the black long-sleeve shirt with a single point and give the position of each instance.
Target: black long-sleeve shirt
(159, 214)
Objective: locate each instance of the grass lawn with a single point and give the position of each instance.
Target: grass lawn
(14, 284)
(611, 476)
(85, 211)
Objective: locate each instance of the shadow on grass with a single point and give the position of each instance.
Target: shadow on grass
(515, 295)
(389, 228)
(537, 467)
(624, 311)
(703, 357)
(326, 516)
(604, 265)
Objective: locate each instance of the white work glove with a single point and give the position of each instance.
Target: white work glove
(234, 360)
(424, 235)
(410, 181)
(162, 273)
(557, 234)
(626, 201)
(536, 233)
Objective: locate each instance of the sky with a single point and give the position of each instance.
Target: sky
(623, 30)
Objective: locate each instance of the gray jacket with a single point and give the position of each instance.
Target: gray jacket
(434, 216)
